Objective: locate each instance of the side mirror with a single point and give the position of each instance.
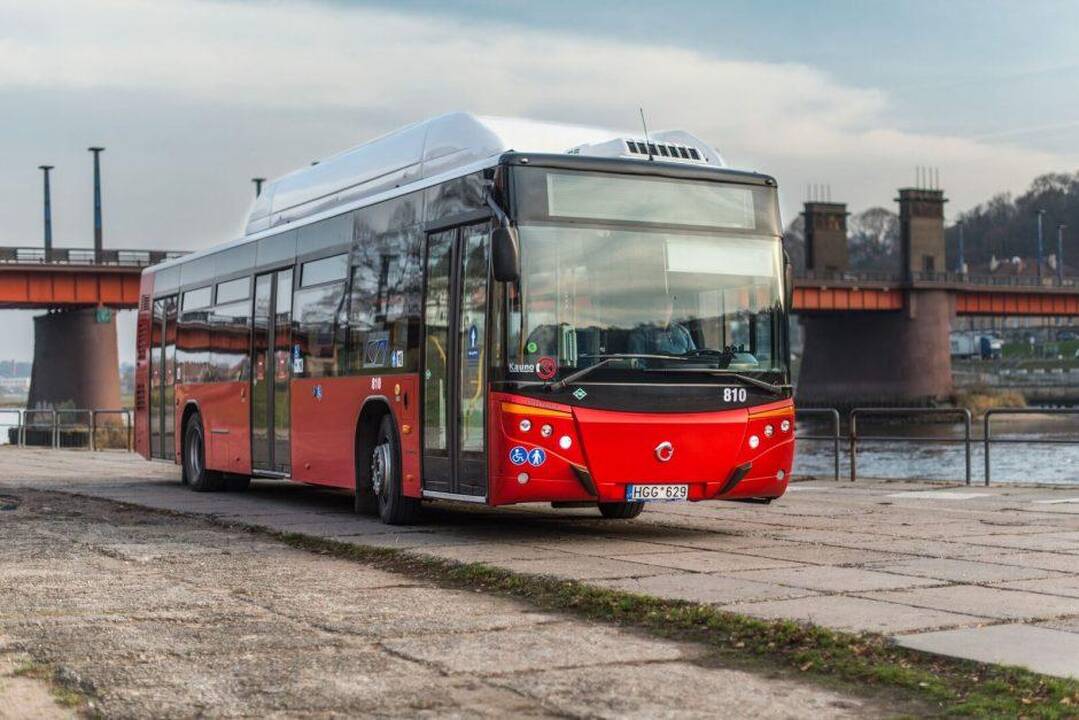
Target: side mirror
(505, 254)
(788, 282)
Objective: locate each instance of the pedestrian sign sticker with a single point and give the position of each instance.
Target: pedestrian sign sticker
(518, 455)
(537, 457)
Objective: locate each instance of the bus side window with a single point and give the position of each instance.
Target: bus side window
(384, 309)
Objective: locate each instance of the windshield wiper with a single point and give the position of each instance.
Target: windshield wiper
(604, 360)
(746, 379)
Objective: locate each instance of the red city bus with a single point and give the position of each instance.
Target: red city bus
(484, 310)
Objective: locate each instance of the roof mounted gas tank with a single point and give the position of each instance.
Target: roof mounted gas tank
(449, 144)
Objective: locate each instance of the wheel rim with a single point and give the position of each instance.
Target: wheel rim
(381, 469)
(194, 455)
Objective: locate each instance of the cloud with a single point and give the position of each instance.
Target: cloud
(237, 88)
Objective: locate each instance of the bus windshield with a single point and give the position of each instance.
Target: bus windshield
(589, 293)
(619, 282)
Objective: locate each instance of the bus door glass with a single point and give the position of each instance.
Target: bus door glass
(455, 358)
(271, 370)
(162, 372)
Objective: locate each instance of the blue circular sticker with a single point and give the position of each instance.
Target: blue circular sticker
(537, 457)
(518, 455)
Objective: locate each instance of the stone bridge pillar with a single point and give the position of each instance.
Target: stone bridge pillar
(826, 237)
(76, 363)
(900, 357)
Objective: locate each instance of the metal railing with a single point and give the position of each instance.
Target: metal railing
(896, 412)
(59, 428)
(84, 256)
(988, 439)
(936, 278)
(834, 437)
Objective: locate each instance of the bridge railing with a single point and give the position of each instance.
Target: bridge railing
(846, 277)
(84, 256)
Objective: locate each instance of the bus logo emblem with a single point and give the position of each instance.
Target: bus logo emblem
(580, 394)
(664, 451)
(546, 368)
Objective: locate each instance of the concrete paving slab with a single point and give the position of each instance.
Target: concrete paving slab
(1047, 541)
(686, 691)
(482, 553)
(599, 546)
(1059, 561)
(835, 579)
(985, 601)
(545, 647)
(1066, 585)
(1069, 624)
(712, 589)
(963, 571)
(825, 555)
(1040, 649)
(857, 614)
(708, 561)
(576, 567)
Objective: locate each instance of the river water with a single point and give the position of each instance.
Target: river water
(1027, 462)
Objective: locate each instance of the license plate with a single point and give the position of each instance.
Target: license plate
(657, 492)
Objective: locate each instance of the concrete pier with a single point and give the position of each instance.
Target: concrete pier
(76, 361)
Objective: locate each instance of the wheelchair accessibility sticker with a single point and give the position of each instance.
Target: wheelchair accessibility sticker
(518, 455)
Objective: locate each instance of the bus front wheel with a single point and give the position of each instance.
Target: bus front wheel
(198, 477)
(620, 510)
(393, 507)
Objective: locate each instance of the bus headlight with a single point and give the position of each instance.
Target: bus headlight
(754, 441)
(785, 426)
(525, 425)
(546, 431)
(769, 431)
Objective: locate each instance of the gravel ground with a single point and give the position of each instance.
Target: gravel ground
(166, 616)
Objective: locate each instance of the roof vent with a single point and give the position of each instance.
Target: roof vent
(657, 148)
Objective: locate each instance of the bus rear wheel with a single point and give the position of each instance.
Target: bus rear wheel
(393, 507)
(620, 510)
(196, 474)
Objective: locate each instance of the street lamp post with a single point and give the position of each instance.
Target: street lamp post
(48, 211)
(1060, 252)
(962, 248)
(1041, 213)
(98, 244)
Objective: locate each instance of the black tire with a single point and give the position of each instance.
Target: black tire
(198, 477)
(364, 500)
(385, 463)
(237, 483)
(620, 510)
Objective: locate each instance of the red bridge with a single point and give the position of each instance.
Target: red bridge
(874, 337)
(76, 359)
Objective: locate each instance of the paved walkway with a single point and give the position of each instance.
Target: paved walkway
(165, 616)
(985, 573)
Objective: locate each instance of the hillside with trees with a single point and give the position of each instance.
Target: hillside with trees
(1002, 227)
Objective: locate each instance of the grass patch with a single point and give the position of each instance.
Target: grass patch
(943, 686)
(65, 691)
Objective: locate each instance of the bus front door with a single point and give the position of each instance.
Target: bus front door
(271, 370)
(455, 361)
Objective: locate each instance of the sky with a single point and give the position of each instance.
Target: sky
(192, 98)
